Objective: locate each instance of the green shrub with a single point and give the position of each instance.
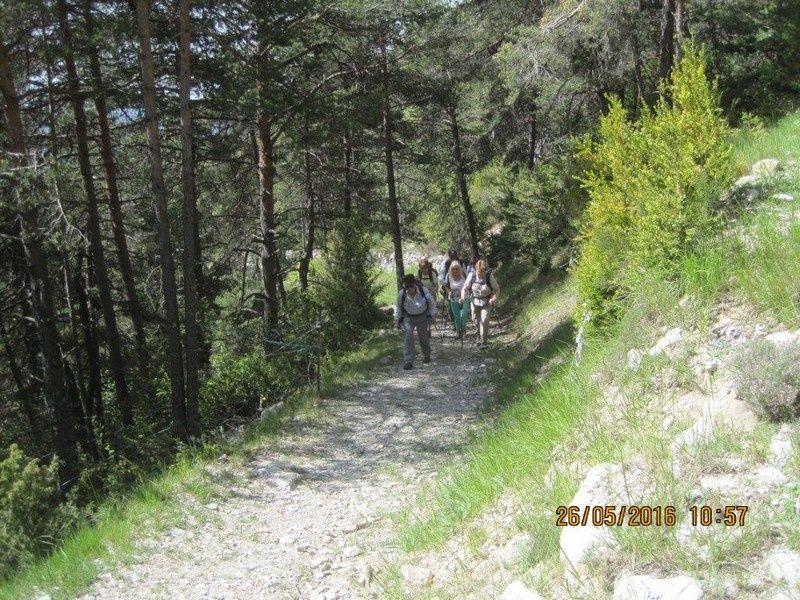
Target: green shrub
(651, 185)
(769, 379)
(32, 520)
(238, 384)
(346, 288)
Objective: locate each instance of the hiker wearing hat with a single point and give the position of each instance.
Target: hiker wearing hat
(428, 276)
(415, 309)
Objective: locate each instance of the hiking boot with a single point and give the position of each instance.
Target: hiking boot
(408, 366)
(426, 360)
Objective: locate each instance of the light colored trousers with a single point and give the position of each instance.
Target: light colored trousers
(420, 323)
(482, 314)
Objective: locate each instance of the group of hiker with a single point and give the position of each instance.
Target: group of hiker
(469, 291)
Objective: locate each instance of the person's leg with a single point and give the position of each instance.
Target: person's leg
(458, 317)
(484, 324)
(466, 309)
(408, 350)
(424, 339)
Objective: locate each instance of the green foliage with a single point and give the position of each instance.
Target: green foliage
(236, 385)
(651, 185)
(536, 207)
(346, 288)
(769, 380)
(31, 519)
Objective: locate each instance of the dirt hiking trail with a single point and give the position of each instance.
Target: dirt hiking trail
(305, 516)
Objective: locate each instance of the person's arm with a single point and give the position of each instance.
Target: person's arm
(431, 312)
(466, 287)
(495, 291)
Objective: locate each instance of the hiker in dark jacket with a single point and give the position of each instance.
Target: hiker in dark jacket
(415, 309)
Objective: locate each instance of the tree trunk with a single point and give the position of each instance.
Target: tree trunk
(680, 24)
(116, 362)
(112, 191)
(25, 395)
(532, 137)
(394, 210)
(41, 292)
(189, 223)
(309, 219)
(266, 184)
(348, 173)
(461, 175)
(174, 358)
(94, 391)
(667, 44)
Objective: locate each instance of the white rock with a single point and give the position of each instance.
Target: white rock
(287, 480)
(415, 577)
(212, 506)
(518, 591)
(672, 337)
(759, 331)
(782, 338)
(746, 181)
(766, 478)
(604, 484)
(514, 549)
(784, 566)
(783, 197)
(780, 449)
(702, 430)
(765, 167)
(634, 358)
(711, 366)
(646, 587)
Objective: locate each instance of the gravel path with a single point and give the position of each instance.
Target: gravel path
(306, 517)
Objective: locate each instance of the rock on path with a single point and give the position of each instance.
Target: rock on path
(305, 515)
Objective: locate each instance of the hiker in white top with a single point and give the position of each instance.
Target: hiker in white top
(483, 286)
(415, 309)
(453, 284)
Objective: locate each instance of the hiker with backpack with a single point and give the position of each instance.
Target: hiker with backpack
(415, 309)
(453, 285)
(428, 276)
(484, 289)
(452, 256)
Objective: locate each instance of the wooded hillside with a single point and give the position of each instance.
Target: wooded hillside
(193, 192)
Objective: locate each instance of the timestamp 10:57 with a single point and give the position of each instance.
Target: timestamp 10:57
(706, 516)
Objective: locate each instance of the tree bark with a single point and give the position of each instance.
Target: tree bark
(388, 132)
(94, 391)
(112, 190)
(309, 218)
(461, 176)
(348, 174)
(174, 358)
(680, 24)
(667, 44)
(116, 361)
(266, 184)
(532, 137)
(41, 291)
(189, 219)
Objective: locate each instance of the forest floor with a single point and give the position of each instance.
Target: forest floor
(308, 515)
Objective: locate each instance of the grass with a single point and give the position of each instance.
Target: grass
(156, 505)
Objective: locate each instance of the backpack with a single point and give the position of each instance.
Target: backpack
(487, 283)
(421, 290)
